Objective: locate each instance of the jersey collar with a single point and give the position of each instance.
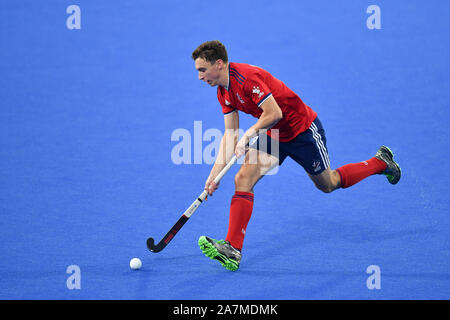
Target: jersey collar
(228, 85)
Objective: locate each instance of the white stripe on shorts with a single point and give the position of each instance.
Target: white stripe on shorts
(320, 145)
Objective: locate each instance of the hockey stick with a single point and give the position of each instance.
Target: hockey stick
(187, 214)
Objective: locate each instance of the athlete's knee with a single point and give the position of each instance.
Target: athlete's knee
(330, 184)
(243, 181)
(326, 188)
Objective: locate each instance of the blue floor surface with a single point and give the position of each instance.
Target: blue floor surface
(86, 173)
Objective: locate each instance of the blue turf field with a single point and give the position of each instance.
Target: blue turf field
(86, 174)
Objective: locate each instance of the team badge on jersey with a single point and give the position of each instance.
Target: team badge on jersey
(257, 91)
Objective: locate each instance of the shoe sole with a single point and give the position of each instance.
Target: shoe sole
(392, 179)
(211, 252)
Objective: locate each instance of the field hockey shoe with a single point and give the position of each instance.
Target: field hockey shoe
(393, 171)
(221, 251)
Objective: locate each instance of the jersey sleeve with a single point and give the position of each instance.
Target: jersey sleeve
(226, 107)
(256, 89)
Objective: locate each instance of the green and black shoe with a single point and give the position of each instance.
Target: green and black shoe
(221, 251)
(393, 171)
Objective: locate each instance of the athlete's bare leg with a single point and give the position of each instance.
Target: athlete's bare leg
(327, 181)
(255, 166)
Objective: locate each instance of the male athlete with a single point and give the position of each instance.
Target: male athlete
(286, 124)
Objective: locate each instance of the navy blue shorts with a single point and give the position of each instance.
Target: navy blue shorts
(309, 148)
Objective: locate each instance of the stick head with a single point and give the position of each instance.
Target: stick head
(151, 244)
(155, 248)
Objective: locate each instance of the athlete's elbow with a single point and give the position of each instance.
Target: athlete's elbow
(277, 116)
(272, 118)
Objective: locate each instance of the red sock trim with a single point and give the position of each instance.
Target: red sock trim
(243, 195)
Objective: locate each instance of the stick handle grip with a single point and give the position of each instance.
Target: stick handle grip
(225, 169)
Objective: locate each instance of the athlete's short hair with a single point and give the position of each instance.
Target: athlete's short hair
(211, 51)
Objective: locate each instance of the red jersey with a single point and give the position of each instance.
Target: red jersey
(249, 86)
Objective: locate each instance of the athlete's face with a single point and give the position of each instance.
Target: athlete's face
(210, 73)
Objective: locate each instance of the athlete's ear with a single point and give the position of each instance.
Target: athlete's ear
(220, 64)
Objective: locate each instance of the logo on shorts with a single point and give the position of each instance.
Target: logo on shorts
(227, 102)
(316, 166)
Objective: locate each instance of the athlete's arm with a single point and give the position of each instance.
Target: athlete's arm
(226, 150)
(270, 117)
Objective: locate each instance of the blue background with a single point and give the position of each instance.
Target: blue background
(86, 175)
